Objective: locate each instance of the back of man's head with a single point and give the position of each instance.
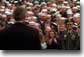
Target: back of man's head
(19, 13)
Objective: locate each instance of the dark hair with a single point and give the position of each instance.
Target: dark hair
(19, 13)
(55, 34)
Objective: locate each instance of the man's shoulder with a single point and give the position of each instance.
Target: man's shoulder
(21, 26)
(19, 29)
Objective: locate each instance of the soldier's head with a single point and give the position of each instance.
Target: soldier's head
(52, 34)
(61, 27)
(62, 20)
(36, 9)
(19, 13)
(34, 18)
(76, 18)
(75, 9)
(63, 9)
(69, 25)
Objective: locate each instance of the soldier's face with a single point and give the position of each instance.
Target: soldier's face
(52, 34)
(61, 27)
(77, 19)
(75, 10)
(63, 9)
(62, 21)
(69, 15)
(69, 26)
(44, 7)
(34, 20)
(70, 3)
(37, 10)
(57, 18)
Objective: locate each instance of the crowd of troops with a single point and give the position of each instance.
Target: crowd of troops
(58, 22)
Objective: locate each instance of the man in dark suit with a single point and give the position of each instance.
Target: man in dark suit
(19, 36)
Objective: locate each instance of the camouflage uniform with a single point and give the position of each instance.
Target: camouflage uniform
(71, 40)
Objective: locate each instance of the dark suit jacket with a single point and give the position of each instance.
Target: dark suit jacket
(19, 37)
